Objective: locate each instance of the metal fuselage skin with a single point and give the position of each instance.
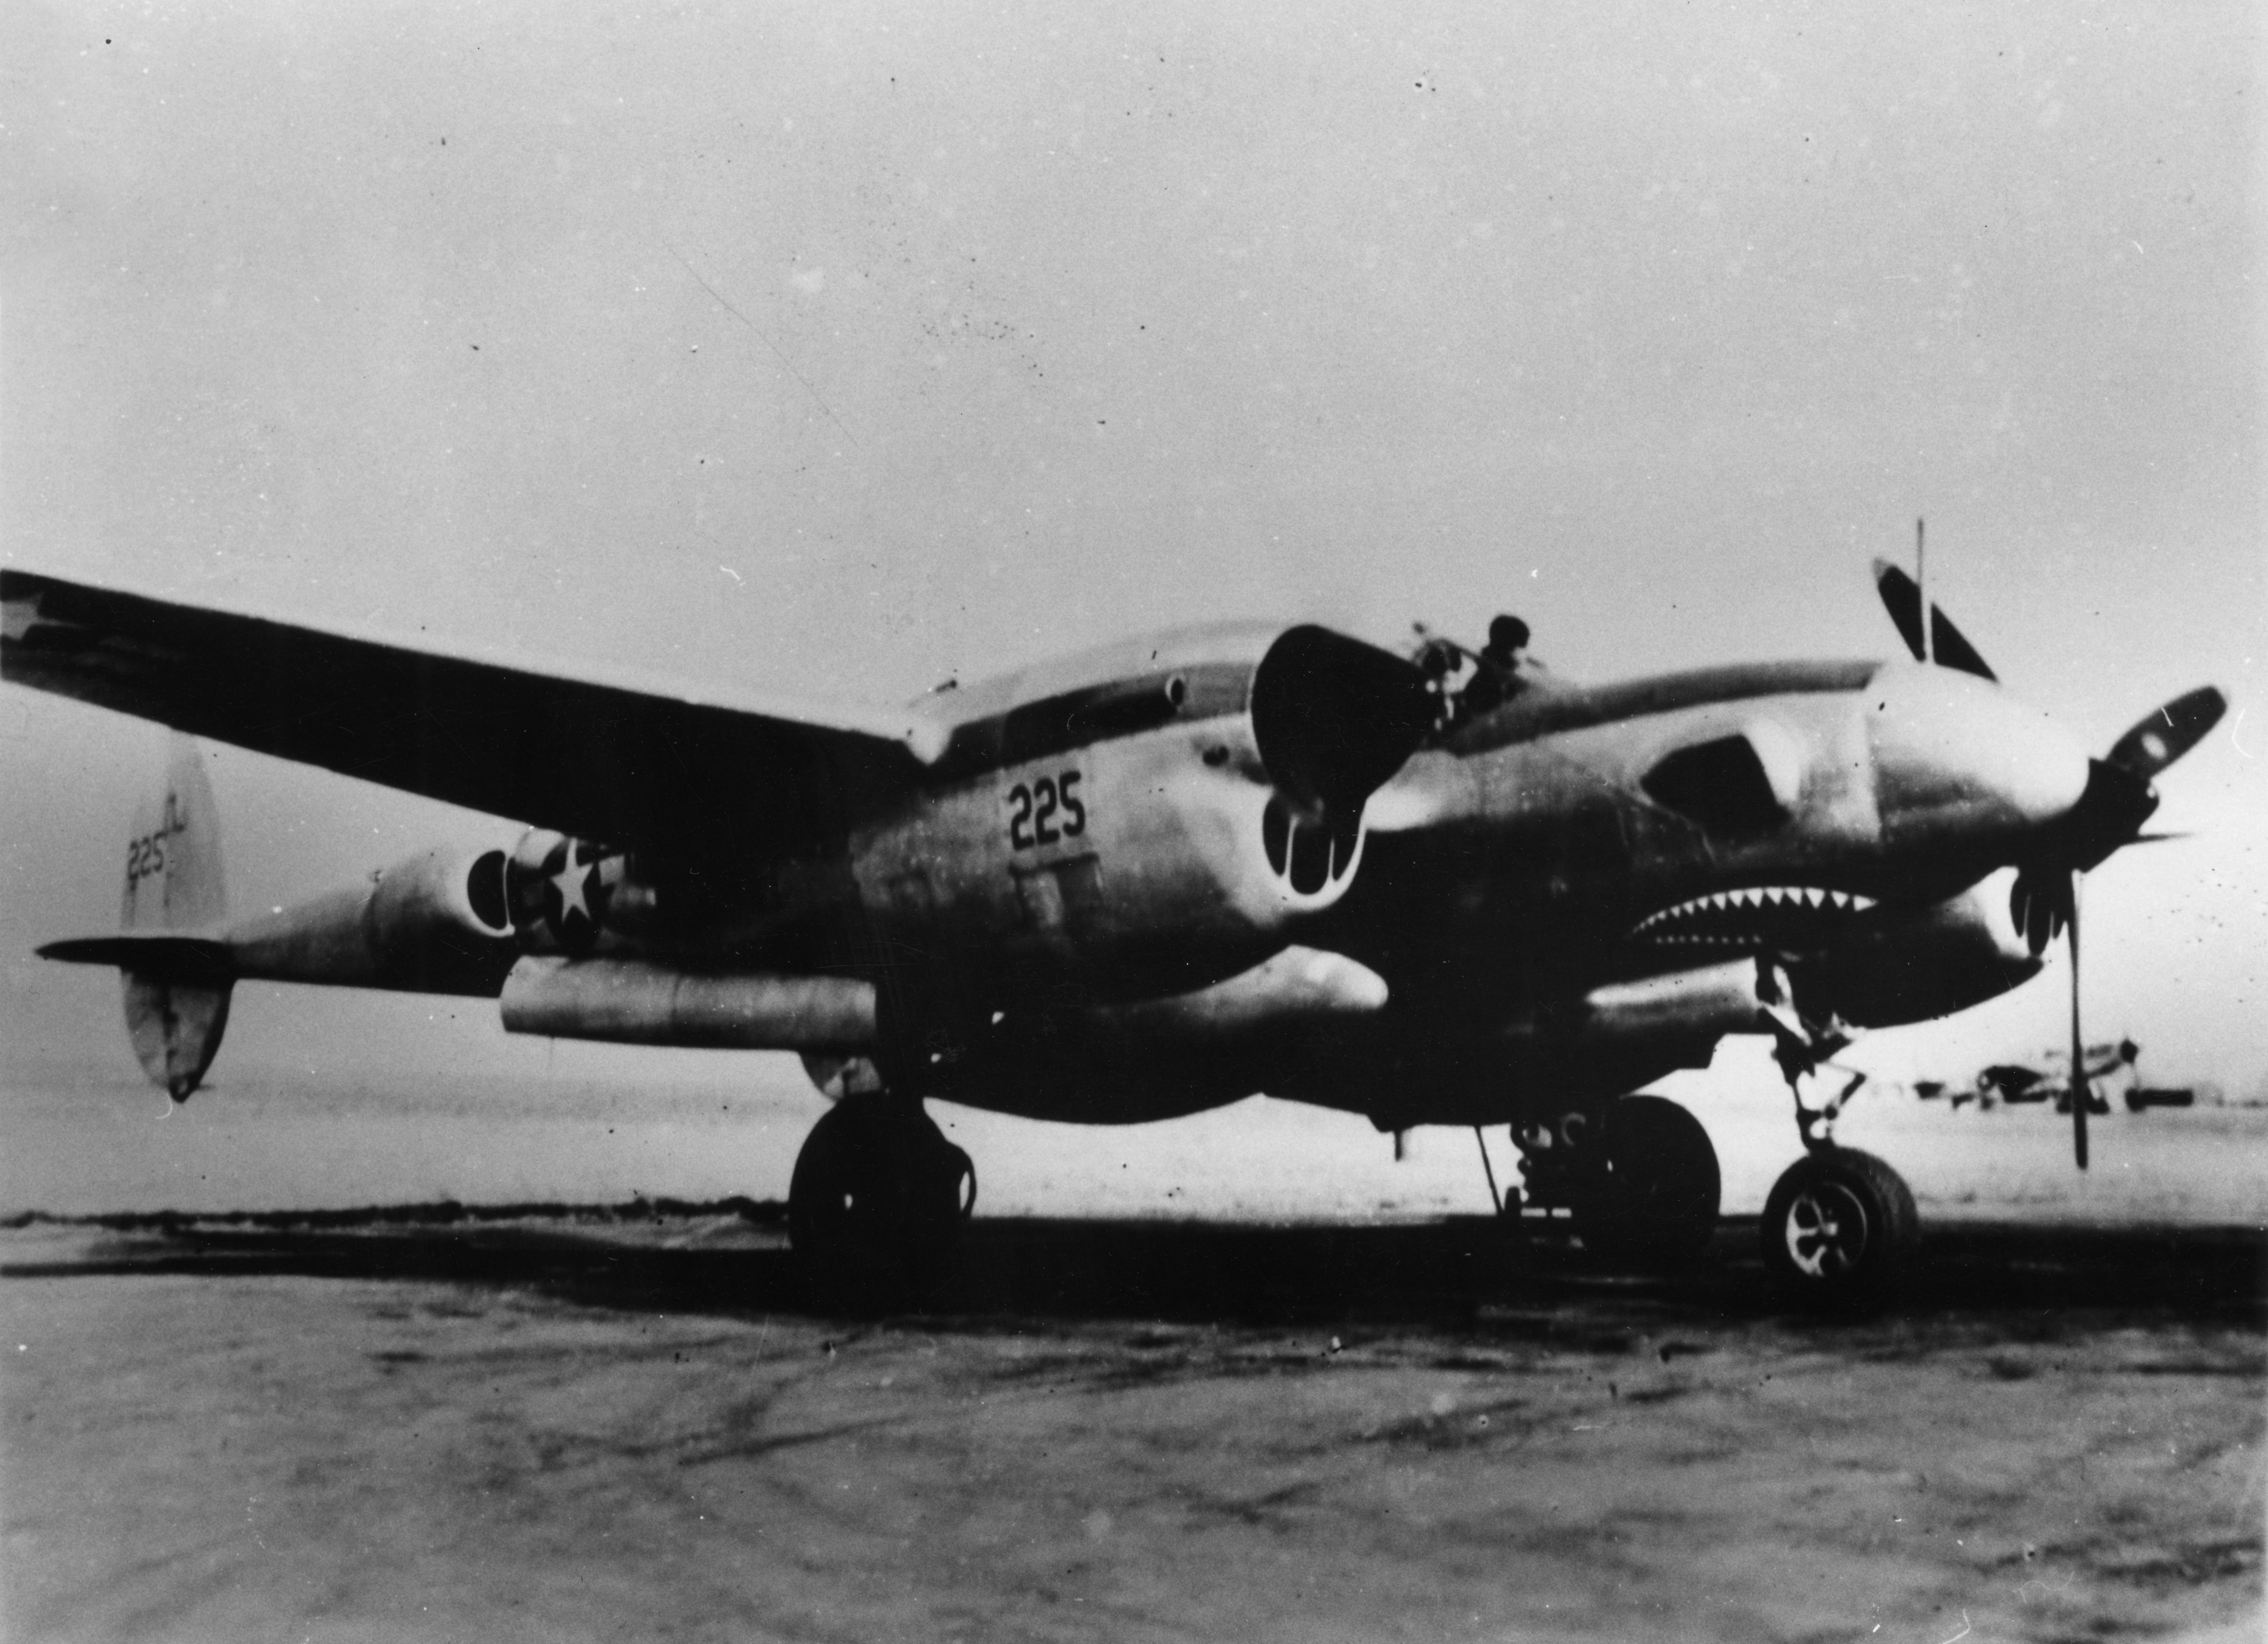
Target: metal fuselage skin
(1099, 927)
(1196, 866)
(1162, 875)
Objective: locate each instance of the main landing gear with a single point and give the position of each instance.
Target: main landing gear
(1637, 1178)
(876, 1204)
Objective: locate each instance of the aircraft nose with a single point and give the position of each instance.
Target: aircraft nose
(1956, 757)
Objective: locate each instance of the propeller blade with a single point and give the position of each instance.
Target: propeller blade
(2167, 732)
(2039, 904)
(1902, 599)
(2078, 1044)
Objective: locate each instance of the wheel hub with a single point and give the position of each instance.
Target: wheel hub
(1825, 1228)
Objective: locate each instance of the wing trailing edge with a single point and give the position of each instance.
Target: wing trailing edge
(624, 759)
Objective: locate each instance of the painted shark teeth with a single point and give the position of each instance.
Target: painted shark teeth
(1749, 915)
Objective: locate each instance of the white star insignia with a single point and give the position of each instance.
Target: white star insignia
(572, 881)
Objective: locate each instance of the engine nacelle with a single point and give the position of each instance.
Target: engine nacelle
(1896, 966)
(1926, 964)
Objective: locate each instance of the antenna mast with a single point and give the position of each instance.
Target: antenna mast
(1921, 586)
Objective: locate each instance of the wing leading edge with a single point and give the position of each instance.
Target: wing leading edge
(630, 763)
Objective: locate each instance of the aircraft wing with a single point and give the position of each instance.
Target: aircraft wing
(621, 761)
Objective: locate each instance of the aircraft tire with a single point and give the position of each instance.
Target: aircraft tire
(1652, 1199)
(875, 1205)
(1839, 1228)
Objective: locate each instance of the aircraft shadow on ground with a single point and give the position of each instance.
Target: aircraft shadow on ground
(1444, 1273)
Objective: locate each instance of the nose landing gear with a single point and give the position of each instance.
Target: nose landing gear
(1838, 1226)
(876, 1204)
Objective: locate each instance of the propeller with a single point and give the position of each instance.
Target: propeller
(2118, 800)
(2078, 1088)
(2159, 738)
(2116, 803)
(1902, 598)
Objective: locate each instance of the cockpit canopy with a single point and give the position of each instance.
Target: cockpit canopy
(1465, 684)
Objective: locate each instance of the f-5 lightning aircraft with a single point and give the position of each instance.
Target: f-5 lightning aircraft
(1430, 887)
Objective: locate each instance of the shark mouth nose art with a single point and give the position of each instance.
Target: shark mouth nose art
(1754, 915)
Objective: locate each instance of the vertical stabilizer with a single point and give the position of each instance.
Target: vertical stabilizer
(173, 858)
(173, 885)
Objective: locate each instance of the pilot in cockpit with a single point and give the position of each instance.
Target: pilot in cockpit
(1495, 670)
(1468, 683)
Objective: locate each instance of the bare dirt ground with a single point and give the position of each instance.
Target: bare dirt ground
(577, 1425)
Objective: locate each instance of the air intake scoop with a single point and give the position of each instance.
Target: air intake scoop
(1334, 718)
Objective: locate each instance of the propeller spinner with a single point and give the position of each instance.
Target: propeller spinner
(2109, 815)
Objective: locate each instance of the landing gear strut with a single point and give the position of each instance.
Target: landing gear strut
(1801, 1045)
(1638, 1176)
(876, 1204)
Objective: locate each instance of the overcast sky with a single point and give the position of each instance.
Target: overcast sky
(838, 349)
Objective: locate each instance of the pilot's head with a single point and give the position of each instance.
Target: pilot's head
(1507, 636)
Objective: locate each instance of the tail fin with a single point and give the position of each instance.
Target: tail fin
(173, 860)
(175, 1014)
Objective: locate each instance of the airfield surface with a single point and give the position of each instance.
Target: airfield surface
(554, 1423)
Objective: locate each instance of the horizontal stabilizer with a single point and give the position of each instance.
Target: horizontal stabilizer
(159, 955)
